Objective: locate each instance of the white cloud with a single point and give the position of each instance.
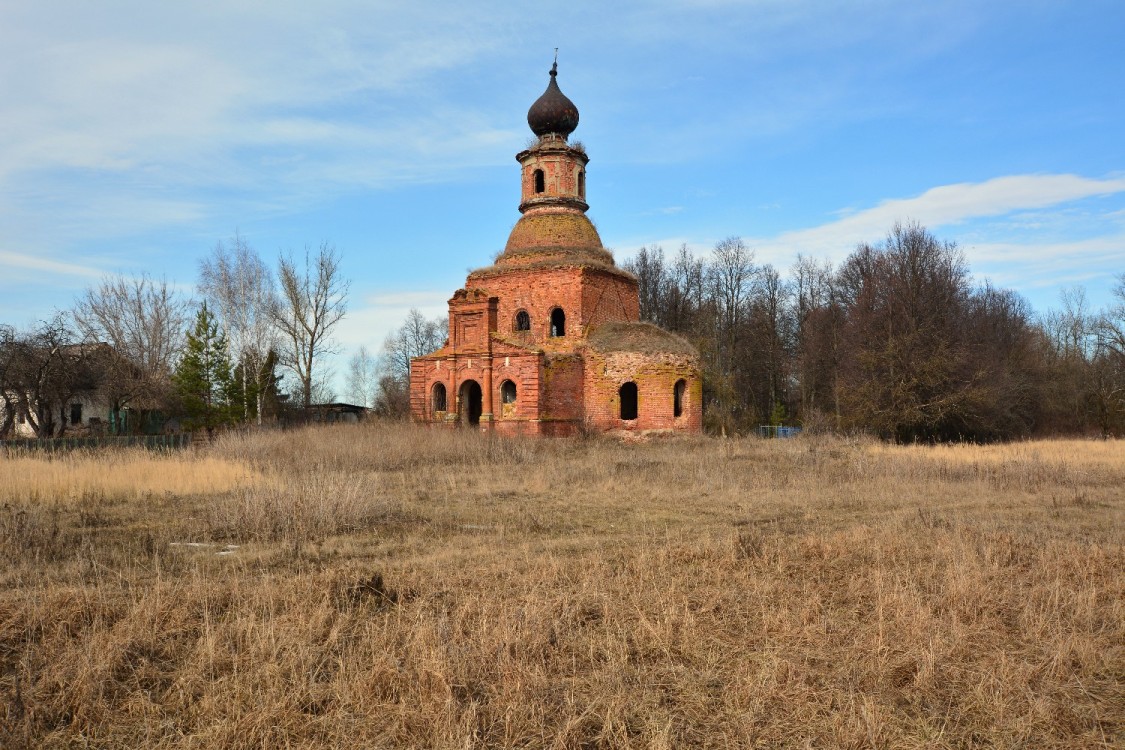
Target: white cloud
(11, 262)
(377, 315)
(1048, 264)
(943, 206)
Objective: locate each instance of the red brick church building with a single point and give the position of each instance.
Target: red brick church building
(548, 340)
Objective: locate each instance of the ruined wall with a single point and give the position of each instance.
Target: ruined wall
(655, 376)
(524, 369)
(526, 372)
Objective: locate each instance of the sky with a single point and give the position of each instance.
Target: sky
(134, 136)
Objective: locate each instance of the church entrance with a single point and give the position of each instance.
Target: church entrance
(469, 403)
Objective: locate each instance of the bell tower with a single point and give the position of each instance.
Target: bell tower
(548, 339)
(553, 225)
(554, 172)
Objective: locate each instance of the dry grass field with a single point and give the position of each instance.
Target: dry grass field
(382, 586)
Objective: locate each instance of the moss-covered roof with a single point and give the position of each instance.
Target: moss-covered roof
(643, 338)
(567, 230)
(553, 261)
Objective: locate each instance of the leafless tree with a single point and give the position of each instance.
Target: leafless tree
(42, 371)
(240, 289)
(362, 381)
(313, 298)
(416, 336)
(1109, 364)
(144, 321)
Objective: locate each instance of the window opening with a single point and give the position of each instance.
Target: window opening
(582, 185)
(523, 321)
(628, 398)
(540, 183)
(507, 398)
(678, 398)
(76, 413)
(558, 322)
(439, 397)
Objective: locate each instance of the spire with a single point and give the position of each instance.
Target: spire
(553, 112)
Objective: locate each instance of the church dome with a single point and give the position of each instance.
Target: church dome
(553, 112)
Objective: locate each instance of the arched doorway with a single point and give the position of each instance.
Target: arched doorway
(469, 403)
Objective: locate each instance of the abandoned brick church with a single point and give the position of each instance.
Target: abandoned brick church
(548, 340)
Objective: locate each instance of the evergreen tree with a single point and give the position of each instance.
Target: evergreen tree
(203, 378)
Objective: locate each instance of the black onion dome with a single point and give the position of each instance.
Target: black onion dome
(553, 112)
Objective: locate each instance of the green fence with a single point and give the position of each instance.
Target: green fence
(51, 445)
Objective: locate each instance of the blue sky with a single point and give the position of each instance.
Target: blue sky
(135, 135)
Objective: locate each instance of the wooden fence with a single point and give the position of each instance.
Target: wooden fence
(52, 445)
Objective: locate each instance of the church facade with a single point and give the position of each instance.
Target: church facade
(548, 340)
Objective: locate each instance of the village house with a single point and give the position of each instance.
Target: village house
(62, 393)
(548, 340)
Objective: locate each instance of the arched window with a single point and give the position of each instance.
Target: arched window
(628, 397)
(523, 321)
(678, 398)
(507, 398)
(437, 397)
(558, 322)
(582, 185)
(540, 184)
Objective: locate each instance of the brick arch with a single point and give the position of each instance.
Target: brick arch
(557, 322)
(470, 403)
(439, 399)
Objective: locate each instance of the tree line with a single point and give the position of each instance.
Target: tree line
(146, 350)
(897, 340)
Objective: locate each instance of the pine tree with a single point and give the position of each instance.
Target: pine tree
(203, 377)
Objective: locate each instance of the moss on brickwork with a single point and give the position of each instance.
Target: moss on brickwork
(567, 229)
(552, 259)
(643, 338)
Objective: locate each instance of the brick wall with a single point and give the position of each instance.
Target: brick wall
(588, 296)
(655, 376)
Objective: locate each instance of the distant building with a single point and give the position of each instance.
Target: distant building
(69, 398)
(548, 341)
(325, 414)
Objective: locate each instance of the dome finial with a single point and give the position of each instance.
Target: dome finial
(553, 112)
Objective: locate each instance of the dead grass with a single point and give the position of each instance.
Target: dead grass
(124, 474)
(391, 587)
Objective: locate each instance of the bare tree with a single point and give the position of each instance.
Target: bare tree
(144, 321)
(241, 290)
(42, 371)
(652, 282)
(8, 393)
(313, 299)
(1109, 364)
(361, 382)
(416, 337)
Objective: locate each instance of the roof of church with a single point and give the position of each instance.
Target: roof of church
(642, 338)
(553, 112)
